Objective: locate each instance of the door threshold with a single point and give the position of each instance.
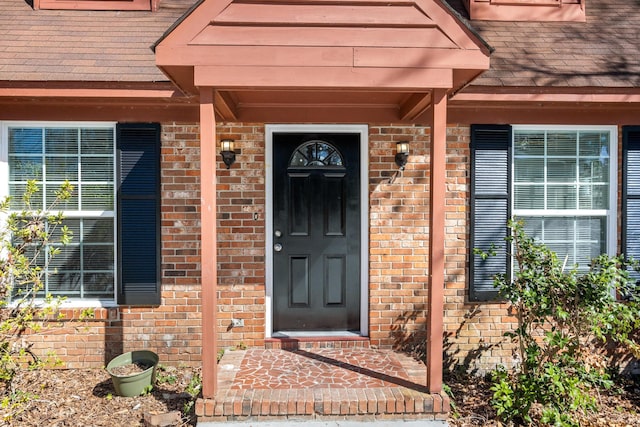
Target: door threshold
(316, 334)
(300, 340)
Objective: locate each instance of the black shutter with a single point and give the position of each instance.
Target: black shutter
(631, 193)
(490, 207)
(138, 216)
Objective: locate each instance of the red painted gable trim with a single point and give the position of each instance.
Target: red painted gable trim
(285, 38)
(479, 94)
(95, 101)
(488, 104)
(527, 10)
(162, 102)
(97, 4)
(77, 93)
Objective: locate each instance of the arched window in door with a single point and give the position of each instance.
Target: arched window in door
(316, 153)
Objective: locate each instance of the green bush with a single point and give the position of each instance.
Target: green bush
(561, 314)
(27, 239)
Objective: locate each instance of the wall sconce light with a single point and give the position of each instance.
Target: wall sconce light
(226, 150)
(402, 153)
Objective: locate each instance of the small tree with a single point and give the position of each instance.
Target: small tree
(27, 244)
(560, 314)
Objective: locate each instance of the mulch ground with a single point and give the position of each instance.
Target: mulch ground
(59, 398)
(85, 397)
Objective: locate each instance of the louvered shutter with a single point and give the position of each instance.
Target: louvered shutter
(490, 206)
(138, 215)
(631, 193)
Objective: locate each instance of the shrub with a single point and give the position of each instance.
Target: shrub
(27, 240)
(561, 313)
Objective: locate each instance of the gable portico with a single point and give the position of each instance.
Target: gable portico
(310, 62)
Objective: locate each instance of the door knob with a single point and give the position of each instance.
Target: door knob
(278, 233)
(277, 247)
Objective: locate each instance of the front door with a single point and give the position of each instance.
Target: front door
(316, 226)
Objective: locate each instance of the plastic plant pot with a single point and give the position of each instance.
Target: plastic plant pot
(134, 384)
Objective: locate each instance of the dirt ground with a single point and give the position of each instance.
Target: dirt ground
(619, 407)
(59, 398)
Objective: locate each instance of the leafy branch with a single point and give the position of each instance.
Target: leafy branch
(29, 239)
(561, 314)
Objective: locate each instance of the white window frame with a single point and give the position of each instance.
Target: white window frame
(610, 214)
(4, 192)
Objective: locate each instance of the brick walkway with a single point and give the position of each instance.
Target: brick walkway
(321, 382)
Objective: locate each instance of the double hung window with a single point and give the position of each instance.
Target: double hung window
(83, 155)
(561, 189)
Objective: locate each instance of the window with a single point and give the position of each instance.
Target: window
(84, 156)
(114, 212)
(316, 153)
(560, 180)
(561, 189)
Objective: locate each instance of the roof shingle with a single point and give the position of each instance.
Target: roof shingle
(112, 46)
(75, 45)
(603, 52)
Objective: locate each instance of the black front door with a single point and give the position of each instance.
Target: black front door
(316, 226)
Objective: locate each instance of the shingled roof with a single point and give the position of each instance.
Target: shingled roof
(76, 45)
(603, 52)
(108, 46)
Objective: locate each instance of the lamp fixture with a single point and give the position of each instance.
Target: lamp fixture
(402, 153)
(227, 152)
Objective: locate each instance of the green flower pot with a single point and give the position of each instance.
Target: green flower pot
(134, 384)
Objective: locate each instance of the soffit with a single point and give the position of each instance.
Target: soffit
(270, 59)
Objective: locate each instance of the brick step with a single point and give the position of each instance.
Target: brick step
(321, 383)
(323, 404)
(305, 343)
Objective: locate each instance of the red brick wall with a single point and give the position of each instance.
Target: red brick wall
(399, 253)
(399, 249)
(399, 233)
(241, 238)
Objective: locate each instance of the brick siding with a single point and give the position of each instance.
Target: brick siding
(398, 259)
(399, 233)
(241, 238)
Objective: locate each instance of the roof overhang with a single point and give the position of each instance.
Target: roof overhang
(95, 101)
(551, 105)
(318, 60)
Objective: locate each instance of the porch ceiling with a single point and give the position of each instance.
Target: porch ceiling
(321, 60)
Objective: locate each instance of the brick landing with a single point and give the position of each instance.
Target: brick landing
(321, 382)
